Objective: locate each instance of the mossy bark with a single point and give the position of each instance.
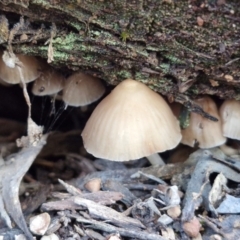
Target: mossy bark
(181, 49)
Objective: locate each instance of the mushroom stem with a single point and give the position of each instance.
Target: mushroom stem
(155, 159)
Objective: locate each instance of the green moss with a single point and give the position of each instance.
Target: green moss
(125, 35)
(184, 117)
(194, 91)
(57, 55)
(123, 74)
(43, 3)
(140, 76)
(76, 25)
(165, 67)
(60, 56)
(96, 33)
(67, 39)
(174, 59)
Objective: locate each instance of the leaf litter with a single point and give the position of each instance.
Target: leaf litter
(98, 199)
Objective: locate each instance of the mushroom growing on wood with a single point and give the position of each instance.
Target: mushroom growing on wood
(50, 82)
(82, 89)
(230, 116)
(5, 84)
(9, 73)
(130, 123)
(201, 131)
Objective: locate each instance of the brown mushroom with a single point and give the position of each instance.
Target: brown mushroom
(131, 122)
(230, 116)
(5, 84)
(81, 89)
(50, 82)
(9, 72)
(203, 132)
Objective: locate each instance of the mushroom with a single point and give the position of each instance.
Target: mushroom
(81, 89)
(201, 131)
(5, 84)
(130, 123)
(230, 116)
(49, 82)
(9, 72)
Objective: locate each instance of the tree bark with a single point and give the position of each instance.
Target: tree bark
(179, 48)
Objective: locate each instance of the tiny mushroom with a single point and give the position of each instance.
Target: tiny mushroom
(50, 82)
(81, 89)
(130, 123)
(9, 73)
(203, 132)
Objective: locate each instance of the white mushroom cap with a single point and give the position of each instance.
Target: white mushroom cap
(50, 82)
(131, 122)
(30, 69)
(81, 89)
(3, 83)
(230, 115)
(202, 131)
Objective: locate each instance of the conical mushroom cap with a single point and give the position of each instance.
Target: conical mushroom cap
(202, 131)
(49, 82)
(30, 70)
(131, 122)
(230, 115)
(81, 89)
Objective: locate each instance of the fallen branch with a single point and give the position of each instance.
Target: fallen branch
(11, 174)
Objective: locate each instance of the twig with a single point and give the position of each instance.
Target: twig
(212, 226)
(11, 175)
(126, 232)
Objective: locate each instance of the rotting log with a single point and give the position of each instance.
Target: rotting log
(181, 49)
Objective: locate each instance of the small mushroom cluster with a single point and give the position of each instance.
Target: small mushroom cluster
(132, 121)
(79, 89)
(204, 133)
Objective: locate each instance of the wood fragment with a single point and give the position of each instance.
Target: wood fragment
(102, 212)
(204, 167)
(103, 198)
(128, 196)
(70, 189)
(11, 175)
(122, 231)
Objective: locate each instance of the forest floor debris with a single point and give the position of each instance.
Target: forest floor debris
(98, 199)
